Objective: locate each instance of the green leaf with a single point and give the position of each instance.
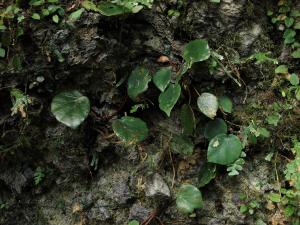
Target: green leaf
(296, 54)
(294, 79)
(70, 108)
(188, 198)
(207, 173)
(134, 222)
(2, 52)
(289, 22)
(162, 78)
(138, 82)
(273, 119)
(74, 16)
(196, 51)
(282, 69)
(214, 128)
(55, 18)
(36, 16)
(215, 1)
(90, 6)
(297, 26)
(225, 104)
(289, 36)
(169, 97)
(182, 145)
(130, 129)
(224, 149)
(243, 208)
(208, 104)
(110, 9)
(187, 118)
(274, 197)
(36, 2)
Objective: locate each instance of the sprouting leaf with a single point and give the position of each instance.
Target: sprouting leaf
(214, 128)
(228, 150)
(110, 9)
(130, 129)
(282, 69)
(188, 198)
(74, 16)
(196, 51)
(55, 18)
(182, 145)
(187, 118)
(294, 79)
(162, 78)
(225, 104)
(207, 173)
(296, 54)
(70, 108)
(208, 104)
(138, 82)
(169, 97)
(36, 16)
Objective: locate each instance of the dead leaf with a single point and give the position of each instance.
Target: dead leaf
(163, 59)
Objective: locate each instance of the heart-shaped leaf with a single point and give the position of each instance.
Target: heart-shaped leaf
(225, 104)
(187, 118)
(214, 128)
(162, 78)
(138, 82)
(182, 145)
(224, 149)
(196, 51)
(130, 129)
(208, 104)
(110, 9)
(169, 97)
(70, 108)
(207, 173)
(188, 198)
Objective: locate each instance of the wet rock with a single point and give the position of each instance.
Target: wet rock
(157, 187)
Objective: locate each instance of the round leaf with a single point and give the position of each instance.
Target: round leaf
(168, 98)
(196, 51)
(138, 82)
(70, 108)
(224, 149)
(225, 104)
(208, 104)
(130, 129)
(188, 198)
(214, 128)
(162, 78)
(182, 145)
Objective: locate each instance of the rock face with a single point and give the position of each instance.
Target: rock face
(90, 178)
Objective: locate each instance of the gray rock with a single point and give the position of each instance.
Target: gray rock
(156, 186)
(138, 212)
